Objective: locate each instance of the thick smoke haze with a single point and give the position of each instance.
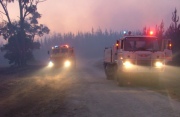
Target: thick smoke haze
(82, 15)
(73, 16)
(64, 16)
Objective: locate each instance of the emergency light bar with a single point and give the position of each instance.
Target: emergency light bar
(151, 33)
(66, 46)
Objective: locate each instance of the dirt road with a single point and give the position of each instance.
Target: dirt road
(83, 92)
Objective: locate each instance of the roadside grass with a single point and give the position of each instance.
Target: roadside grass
(170, 90)
(169, 83)
(24, 94)
(19, 70)
(166, 83)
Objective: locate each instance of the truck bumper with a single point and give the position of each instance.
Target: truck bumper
(141, 69)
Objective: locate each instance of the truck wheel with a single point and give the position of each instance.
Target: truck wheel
(108, 77)
(108, 72)
(114, 72)
(119, 80)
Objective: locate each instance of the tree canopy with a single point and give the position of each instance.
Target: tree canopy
(173, 32)
(21, 33)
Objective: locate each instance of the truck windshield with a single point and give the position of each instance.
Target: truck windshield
(141, 44)
(55, 51)
(62, 50)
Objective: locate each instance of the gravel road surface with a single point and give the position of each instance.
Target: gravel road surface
(83, 92)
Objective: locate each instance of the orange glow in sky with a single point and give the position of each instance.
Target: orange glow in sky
(83, 15)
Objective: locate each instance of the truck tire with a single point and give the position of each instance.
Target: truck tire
(109, 72)
(119, 79)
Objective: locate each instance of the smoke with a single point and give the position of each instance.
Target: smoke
(74, 16)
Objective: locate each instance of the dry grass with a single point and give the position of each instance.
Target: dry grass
(167, 84)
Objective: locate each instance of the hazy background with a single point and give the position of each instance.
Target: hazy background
(69, 17)
(82, 15)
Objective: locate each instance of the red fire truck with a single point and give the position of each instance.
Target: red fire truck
(62, 56)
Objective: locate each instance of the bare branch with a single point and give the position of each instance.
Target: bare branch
(4, 6)
(26, 13)
(1, 16)
(2, 13)
(41, 1)
(38, 1)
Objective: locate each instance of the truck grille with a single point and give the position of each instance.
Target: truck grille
(143, 63)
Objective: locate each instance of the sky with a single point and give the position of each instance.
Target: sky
(64, 16)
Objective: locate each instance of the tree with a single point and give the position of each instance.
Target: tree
(144, 30)
(160, 30)
(175, 19)
(21, 33)
(173, 32)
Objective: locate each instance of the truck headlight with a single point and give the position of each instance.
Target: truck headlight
(127, 64)
(159, 64)
(67, 63)
(50, 64)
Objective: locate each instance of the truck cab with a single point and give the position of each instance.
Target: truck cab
(137, 54)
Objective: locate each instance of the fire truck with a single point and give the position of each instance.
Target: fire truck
(133, 55)
(62, 56)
